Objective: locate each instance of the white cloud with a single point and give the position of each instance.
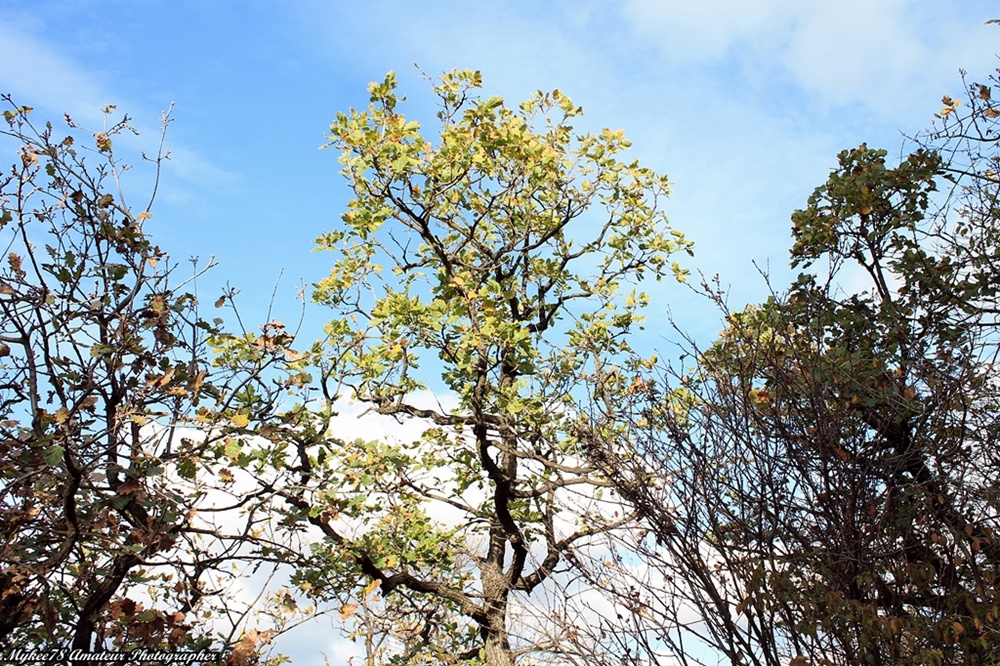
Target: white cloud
(35, 73)
(690, 32)
(195, 168)
(358, 420)
(885, 56)
(857, 52)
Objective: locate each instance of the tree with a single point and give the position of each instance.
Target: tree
(827, 471)
(120, 524)
(493, 257)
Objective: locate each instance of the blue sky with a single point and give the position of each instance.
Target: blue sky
(744, 104)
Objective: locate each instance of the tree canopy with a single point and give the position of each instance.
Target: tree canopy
(498, 256)
(828, 467)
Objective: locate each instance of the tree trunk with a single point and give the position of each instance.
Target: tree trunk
(497, 647)
(496, 589)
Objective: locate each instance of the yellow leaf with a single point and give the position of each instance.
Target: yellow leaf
(371, 587)
(347, 611)
(240, 420)
(145, 215)
(293, 355)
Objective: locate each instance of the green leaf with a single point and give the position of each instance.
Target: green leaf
(54, 455)
(187, 468)
(232, 448)
(100, 349)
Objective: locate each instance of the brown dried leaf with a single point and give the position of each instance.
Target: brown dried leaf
(129, 487)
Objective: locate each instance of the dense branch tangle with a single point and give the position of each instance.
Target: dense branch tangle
(103, 360)
(506, 243)
(828, 468)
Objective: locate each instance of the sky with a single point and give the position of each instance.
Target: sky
(743, 103)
